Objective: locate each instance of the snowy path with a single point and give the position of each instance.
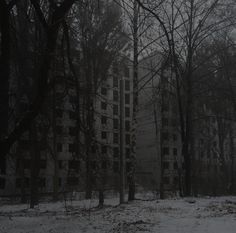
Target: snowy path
(209, 215)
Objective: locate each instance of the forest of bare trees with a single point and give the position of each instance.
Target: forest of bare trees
(58, 56)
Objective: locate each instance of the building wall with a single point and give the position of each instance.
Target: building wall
(71, 166)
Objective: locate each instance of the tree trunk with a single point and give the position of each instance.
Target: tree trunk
(35, 167)
(5, 74)
(131, 178)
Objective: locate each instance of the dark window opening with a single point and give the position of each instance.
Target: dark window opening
(42, 182)
(2, 165)
(59, 147)
(104, 135)
(72, 181)
(127, 139)
(115, 109)
(72, 115)
(59, 112)
(115, 81)
(72, 131)
(165, 121)
(166, 165)
(115, 138)
(127, 125)
(103, 91)
(175, 151)
(116, 152)
(115, 123)
(104, 120)
(43, 163)
(127, 112)
(27, 163)
(72, 147)
(60, 164)
(104, 165)
(165, 136)
(59, 129)
(104, 149)
(127, 152)
(103, 106)
(74, 165)
(115, 96)
(127, 85)
(116, 167)
(165, 150)
(2, 183)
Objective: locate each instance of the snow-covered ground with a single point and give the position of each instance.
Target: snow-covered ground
(196, 215)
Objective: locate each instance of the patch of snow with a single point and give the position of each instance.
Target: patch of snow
(195, 215)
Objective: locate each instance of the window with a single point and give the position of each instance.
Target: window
(18, 182)
(60, 164)
(174, 122)
(127, 99)
(59, 147)
(115, 81)
(115, 95)
(104, 149)
(72, 131)
(73, 100)
(2, 183)
(71, 147)
(166, 165)
(74, 165)
(21, 182)
(127, 139)
(175, 151)
(27, 163)
(94, 165)
(175, 165)
(176, 180)
(127, 85)
(174, 137)
(165, 150)
(127, 112)
(104, 164)
(116, 152)
(116, 167)
(165, 107)
(128, 166)
(165, 121)
(166, 180)
(24, 145)
(72, 115)
(115, 123)
(103, 106)
(42, 182)
(59, 129)
(115, 138)
(127, 125)
(72, 181)
(59, 182)
(59, 112)
(104, 120)
(103, 91)
(126, 71)
(165, 136)
(94, 148)
(43, 163)
(2, 165)
(104, 135)
(115, 109)
(127, 152)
